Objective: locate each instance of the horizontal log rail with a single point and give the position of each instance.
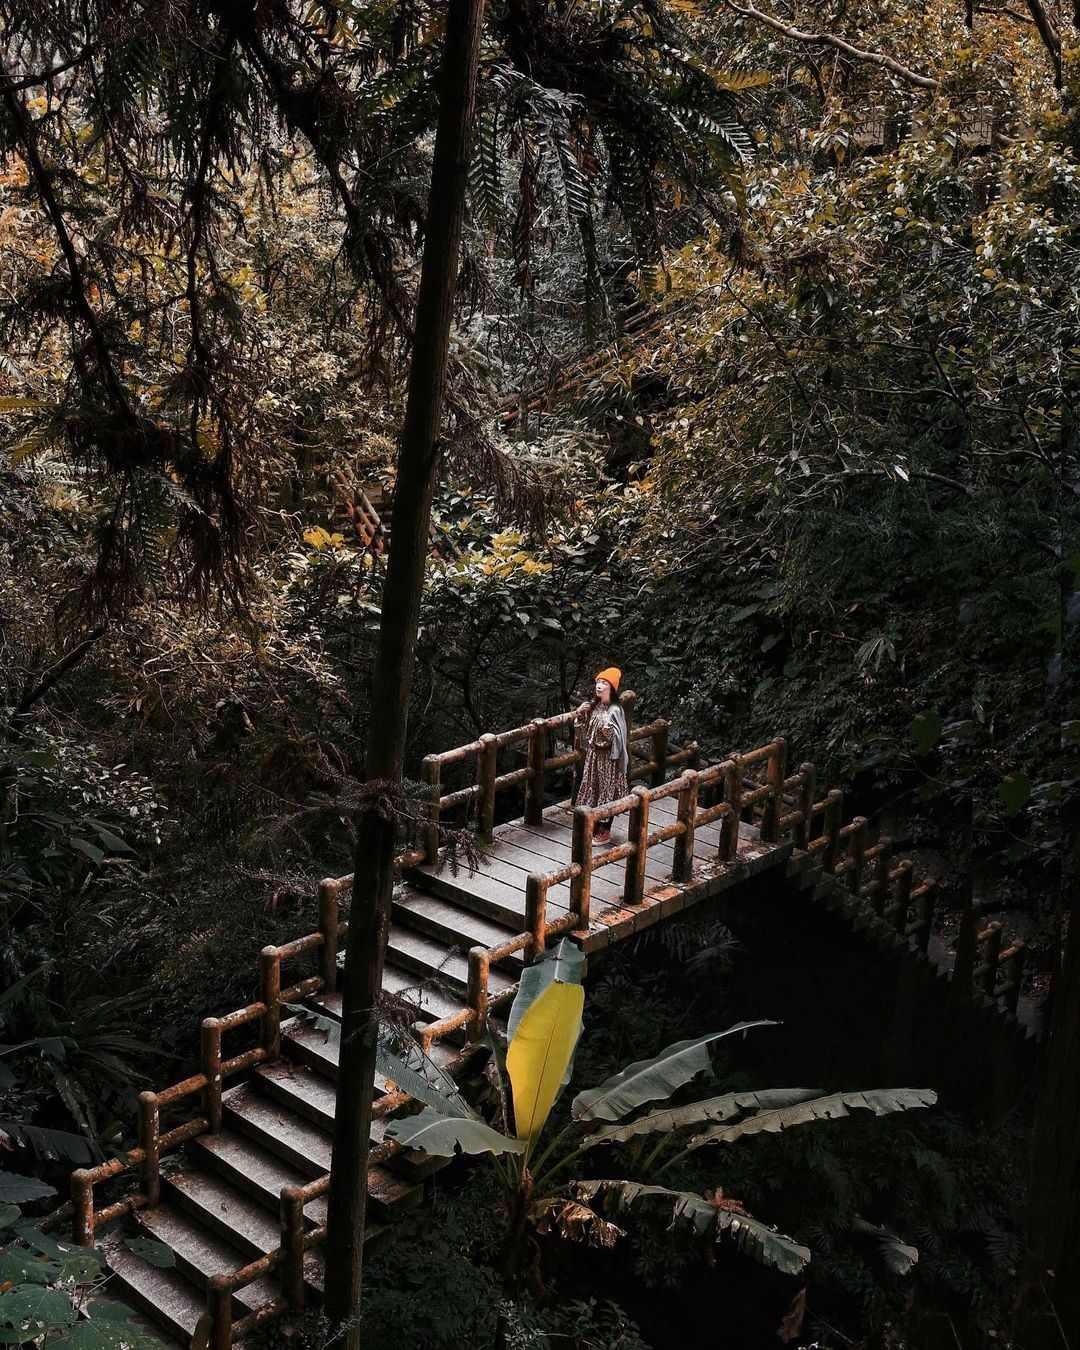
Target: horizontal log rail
(750, 785)
(206, 1085)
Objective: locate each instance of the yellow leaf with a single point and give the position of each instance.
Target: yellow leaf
(540, 1054)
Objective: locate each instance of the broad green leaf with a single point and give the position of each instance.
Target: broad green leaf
(563, 965)
(89, 850)
(649, 1080)
(112, 842)
(422, 1078)
(70, 1262)
(881, 1101)
(21, 1267)
(157, 1253)
(926, 731)
(899, 1256)
(34, 1310)
(727, 1107)
(111, 1330)
(9, 1214)
(441, 1135)
(702, 1219)
(19, 1190)
(540, 1052)
(1014, 791)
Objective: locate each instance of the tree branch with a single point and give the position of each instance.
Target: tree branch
(33, 81)
(1049, 34)
(831, 40)
(25, 130)
(56, 672)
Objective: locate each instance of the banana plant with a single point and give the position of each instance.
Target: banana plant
(542, 1035)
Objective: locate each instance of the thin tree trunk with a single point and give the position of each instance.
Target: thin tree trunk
(417, 472)
(1052, 1270)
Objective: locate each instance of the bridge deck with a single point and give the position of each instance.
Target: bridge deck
(497, 889)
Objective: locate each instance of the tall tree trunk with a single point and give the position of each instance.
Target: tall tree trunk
(417, 471)
(1053, 1236)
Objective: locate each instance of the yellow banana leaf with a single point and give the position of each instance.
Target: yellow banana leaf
(540, 1052)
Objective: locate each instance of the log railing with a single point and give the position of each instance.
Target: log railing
(538, 741)
(785, 807)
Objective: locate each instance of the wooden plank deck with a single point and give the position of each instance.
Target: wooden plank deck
(497, 888)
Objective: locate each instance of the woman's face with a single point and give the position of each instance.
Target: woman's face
(603, 691)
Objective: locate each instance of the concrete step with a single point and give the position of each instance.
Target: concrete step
(253, 1170)
(245, 1223)
(277, 1129)
(432, 960)
(428, 1003)
(307, 1148)
(303, 1043)
(172, 1302)
(451, 925)
(312, 1096)
(477, 893)
(201, 1253)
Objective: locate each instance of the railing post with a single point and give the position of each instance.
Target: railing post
(883, 866)
(856, 849)
(806, 804)
(328, 927)
(149, 1137)
(1015, 955)
(292, 1245)
(903, 895)
(834, 811)
(485, 778)
(990, 938)
(211, 1067)
(534, 784)
(729, 828)
(477, 996)
(925, 914)
(270, 965)
(580, 729)
(659, 754)
(628, 701)
(82, 1204)
(775, 774)
(535, 915)
(637, 833)
(431, 773)
(581, 884)
(683, 860)
(219, 1303)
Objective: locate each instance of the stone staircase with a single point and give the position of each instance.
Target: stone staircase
(219, 1206)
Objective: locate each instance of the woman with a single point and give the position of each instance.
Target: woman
(607, 758)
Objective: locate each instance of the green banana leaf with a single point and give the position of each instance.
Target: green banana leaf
(703, 1219)
(882, 1101)
(442, 1135)
(650, 1080)
(727, 1107)
(422, 1078)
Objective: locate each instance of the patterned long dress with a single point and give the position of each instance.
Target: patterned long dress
(603, 779)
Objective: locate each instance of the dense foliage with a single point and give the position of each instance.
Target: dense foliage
(764, 386)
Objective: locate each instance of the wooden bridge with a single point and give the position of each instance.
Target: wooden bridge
(233, 1179)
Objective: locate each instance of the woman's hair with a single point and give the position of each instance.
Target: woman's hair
(594, 701)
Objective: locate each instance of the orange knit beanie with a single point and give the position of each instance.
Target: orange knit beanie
(613, 676)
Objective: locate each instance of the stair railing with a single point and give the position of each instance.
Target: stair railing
(209, 1083)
